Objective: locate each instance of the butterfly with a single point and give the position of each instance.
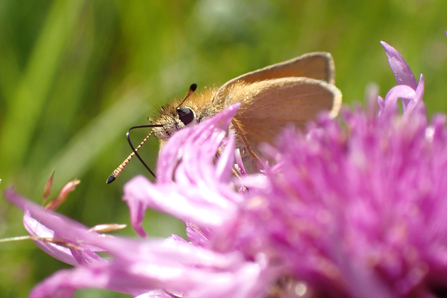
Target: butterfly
(293, 91)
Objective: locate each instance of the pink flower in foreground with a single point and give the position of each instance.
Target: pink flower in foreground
(355, 208)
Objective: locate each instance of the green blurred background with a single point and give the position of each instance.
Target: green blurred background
(75, 74)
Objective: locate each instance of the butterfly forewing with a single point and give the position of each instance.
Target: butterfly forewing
(319, 66)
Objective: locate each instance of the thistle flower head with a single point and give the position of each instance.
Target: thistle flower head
(354, 207)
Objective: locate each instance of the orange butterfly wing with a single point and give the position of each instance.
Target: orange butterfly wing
(294, 91)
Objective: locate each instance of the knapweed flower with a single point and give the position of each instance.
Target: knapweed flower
(354, 207)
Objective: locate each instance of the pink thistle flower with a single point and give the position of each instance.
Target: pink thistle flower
(352, 208)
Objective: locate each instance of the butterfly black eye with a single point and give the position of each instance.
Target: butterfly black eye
(186, 115)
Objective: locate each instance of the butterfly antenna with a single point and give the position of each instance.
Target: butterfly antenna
(191, 90)
(121, 167)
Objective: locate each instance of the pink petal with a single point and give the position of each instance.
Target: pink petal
(401, 70)
(206, 207)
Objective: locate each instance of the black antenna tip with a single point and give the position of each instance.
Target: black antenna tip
(111, 179)
(193, 87)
